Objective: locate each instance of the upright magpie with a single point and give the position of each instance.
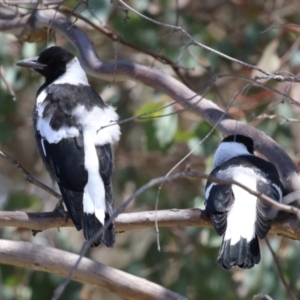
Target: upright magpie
(236, 214)
(75, 131)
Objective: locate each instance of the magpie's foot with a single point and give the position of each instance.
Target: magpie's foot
(59, 205)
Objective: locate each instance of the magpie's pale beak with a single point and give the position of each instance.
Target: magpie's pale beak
(31, 63)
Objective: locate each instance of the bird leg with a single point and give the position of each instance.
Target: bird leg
(59, 205)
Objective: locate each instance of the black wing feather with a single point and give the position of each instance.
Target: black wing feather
(265, 212)
(218, 204)
(65, 160)
(106, 168)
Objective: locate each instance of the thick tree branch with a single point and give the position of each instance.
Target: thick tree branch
(108, 32)
(46, 259)
(159, 80)
(285, 225)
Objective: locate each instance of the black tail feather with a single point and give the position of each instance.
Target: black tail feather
(74, 205)
(109, 234)
(243, 254)
(91, 225)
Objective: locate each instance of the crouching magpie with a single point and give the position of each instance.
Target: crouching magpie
(236, 214)
(75, 131)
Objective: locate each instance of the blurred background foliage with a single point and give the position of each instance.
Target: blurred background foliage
(150, 147)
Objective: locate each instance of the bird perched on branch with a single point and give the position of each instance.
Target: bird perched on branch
(236, 214)
(75, 131)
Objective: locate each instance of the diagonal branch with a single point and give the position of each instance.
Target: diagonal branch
(108, 32)
(28, 177)
(46, 259)
(280, 272)
(123, 70)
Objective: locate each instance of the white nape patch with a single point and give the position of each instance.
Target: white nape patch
(241, 217)
(228, 150)
(74, 74)
(94, 191)
(101, 122)
(53, 136)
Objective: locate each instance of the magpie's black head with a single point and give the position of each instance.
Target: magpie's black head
(241, 139)
(51, 63)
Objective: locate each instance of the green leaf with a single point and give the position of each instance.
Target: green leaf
(149, 110)
(18, 200)
(183, 136)
(166, 126)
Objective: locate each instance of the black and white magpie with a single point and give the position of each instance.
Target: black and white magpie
(75, 131)
(236, 214)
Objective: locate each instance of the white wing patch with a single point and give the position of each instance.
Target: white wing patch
(94, 191)
(103, 122)
(99, 128)
(54, 136)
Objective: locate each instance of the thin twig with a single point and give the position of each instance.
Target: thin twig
(194, 42)
(262, 296)
(28, 177)
(6, 83)
(272, 117)
(262, 85)
(280, 272)
(108, 32)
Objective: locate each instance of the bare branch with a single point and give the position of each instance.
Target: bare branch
(167, 84)
(288, 225)
(262, 296)
(194, 42)
(28, 177)
(46, 259)
(123, 70)
(6, 83)
(108, 32)
(280, 272)
(272, 117)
